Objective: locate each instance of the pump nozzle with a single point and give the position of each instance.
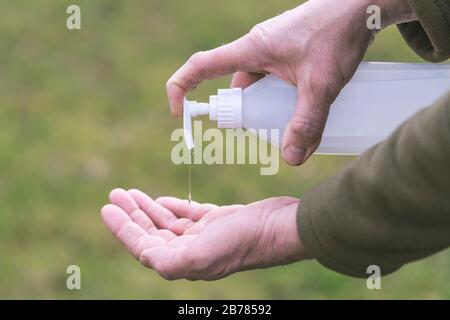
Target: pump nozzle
(225, 108)
(192, 109)
(187, 125)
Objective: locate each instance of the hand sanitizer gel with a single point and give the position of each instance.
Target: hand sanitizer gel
(374, 103)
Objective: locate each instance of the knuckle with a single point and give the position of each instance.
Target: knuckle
(260, 32)
(170, 84)
(261, 38)
(308, 128)
(196, 60)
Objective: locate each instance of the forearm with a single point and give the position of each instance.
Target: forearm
(390, 206)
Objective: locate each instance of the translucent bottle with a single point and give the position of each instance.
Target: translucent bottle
(374, 103)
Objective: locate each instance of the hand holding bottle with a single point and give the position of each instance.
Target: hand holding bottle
(316, 46)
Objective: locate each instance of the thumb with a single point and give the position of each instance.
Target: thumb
(170, 263)
(304, 131)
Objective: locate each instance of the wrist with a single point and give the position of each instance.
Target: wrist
(287, 237)
(395, 12)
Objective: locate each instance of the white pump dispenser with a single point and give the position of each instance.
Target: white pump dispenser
(377, 100)
(225, 108)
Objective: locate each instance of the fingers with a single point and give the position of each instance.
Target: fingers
(240, 55)
(182, 208)
(195, 228)
(179, 226)
(125, 201)
(132, 236)
(304, 131)
(122, 199)
(161, 216)
(244, 79)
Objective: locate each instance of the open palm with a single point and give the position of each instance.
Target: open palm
(203, 241)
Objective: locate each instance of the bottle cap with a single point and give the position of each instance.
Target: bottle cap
(229, 108)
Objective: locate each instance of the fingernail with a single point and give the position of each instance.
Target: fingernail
(294, 155)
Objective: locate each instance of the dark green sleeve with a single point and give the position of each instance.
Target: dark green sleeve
(430, 36)
(389, 207)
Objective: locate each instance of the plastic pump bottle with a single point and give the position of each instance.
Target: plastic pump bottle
(374, 103)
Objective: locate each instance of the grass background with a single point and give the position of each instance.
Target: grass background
(82, 112)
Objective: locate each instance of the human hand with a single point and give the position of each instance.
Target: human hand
(316, 46)
(204, 241)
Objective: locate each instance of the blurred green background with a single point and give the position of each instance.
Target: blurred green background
(82, 112)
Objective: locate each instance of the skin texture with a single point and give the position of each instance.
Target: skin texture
(316, 46)
(215, 242)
